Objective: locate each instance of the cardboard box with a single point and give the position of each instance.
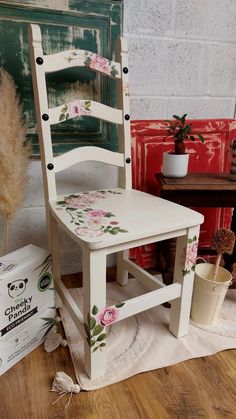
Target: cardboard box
(27, 309)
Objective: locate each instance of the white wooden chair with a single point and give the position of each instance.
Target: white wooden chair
(107, 221)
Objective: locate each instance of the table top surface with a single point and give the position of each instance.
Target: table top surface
(198, 181)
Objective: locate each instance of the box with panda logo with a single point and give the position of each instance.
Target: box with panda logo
(27, 309)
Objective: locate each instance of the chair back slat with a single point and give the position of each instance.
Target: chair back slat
(87, 108)
(42, 64)
(81, 58)
(87, 153)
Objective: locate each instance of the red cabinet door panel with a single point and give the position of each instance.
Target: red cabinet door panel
(212, 156)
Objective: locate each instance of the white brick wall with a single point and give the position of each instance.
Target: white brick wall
(182, 56)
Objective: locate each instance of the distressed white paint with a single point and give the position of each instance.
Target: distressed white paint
(88, 153)
(74, 58)
(97, 110)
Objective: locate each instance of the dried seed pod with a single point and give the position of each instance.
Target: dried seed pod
(223, 241)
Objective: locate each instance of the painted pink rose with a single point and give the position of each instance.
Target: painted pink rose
(95, 223)
(188, 259)
(99, 63)
(97, 195)
(108, 316)
(78, 108)
(114, 223)
(87, 232)
(79, 202)
(96, 213)
(192, 253)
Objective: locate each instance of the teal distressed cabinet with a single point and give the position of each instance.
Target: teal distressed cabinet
(68, 24)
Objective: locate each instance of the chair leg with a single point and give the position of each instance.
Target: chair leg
(186, 252)
(54, 240)
(94, 292)
(122, 273)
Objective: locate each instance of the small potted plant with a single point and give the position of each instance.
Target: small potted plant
(175, 163)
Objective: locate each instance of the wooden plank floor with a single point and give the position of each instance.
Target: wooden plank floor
(199, 388)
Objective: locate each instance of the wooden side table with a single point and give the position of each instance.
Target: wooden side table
(198, 190)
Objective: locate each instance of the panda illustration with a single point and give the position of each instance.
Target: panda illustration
(17, 287)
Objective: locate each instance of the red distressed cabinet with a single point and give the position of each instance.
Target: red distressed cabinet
(212, 156)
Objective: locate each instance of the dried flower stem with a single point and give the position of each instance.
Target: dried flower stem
(216, 267)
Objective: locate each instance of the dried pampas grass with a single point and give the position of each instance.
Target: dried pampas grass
(14, 153)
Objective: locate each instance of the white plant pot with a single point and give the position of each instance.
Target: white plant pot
(208, 296)
(175, 165)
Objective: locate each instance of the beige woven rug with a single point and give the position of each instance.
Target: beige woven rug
(143, 342)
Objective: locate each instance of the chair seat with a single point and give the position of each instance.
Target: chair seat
(108, 217)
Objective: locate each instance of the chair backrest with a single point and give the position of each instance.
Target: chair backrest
(41, 65)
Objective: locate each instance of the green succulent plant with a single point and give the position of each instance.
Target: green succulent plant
(180, 130)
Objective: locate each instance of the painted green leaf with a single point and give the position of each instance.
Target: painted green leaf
(98, 329)
(90, 342)
(95, 349)
(193, 268)
(102, 345)
(61, 202)
(109, 214)
(119, 305)
(101, 337)
(114, 72)
(194, 238)
(189, 241)
(113, 231)
(87, 105)
(87, 61)
(64, 109)
(67, 116)
(94, 310)
(92, 323)
(62, 117)
(122, 230)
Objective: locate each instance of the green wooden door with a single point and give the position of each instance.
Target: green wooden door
(89, 24)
